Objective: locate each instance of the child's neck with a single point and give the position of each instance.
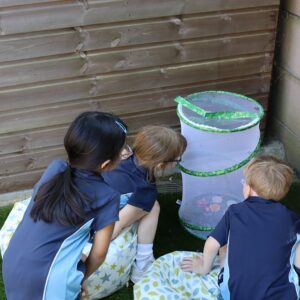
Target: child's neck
(253, 194)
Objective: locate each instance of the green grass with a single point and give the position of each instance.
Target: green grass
(170, 235)
(4, 211)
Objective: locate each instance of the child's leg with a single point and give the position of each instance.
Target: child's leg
(222, 255)
(146, 234)
(148, 225)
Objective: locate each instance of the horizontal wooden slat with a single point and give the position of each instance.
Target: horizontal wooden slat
(75, 13)
(174, 28)
(9, 3)
(35, 139)
(59, 115)
(182, 74)
(29, 161)
(24, 46)
(19, 181)
(124, 104)
(139, 80)
(45, 93)
(172, 53)
(134, 58)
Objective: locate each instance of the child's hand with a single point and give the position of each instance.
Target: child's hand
(126, 152)
(84, 291)
(193, 264)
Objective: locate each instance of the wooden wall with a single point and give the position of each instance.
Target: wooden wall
(59, 58)
(285, 101)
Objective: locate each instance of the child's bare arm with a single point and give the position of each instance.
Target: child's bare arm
(202, 265)
(99, 249)
(222, 255)
(127, 216)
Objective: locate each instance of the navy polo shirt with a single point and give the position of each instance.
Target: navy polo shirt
(130, 178)
(42, 260)
(261, 236)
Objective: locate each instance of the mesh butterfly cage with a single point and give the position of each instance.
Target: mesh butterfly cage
(222, 131)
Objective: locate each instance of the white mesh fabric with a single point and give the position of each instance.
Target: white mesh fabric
(212, 151)
(206, 198)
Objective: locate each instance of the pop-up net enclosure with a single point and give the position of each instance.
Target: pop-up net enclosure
(222, 132)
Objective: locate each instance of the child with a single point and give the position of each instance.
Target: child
(155, 150)
(42, 260)
(261, 235)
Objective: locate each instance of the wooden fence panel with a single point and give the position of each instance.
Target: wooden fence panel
(75, 13)
(284, 122)
(141, 101)
(133, 58)
(47, 43)
(158, 77)
(129, 57)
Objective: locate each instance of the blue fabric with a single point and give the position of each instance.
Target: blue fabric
(297, 271)
(124, 199)
(64, 279)
(129, 177)
(262, 236)
(225, 291)
(294, 275)
(34, 246)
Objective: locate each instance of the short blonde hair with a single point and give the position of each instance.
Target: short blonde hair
(269, 177)
(155, 145)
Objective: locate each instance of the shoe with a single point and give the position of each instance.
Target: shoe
(137, 273)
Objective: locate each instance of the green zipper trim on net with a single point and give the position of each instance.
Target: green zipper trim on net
(226, 115)
(219, 115)
(196, 227)
(220, 172)
(187, 226)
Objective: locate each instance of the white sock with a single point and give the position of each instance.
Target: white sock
(144, 255)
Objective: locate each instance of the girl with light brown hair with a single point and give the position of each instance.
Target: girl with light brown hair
(156, 149)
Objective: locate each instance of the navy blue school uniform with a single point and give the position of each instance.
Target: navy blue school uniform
(42, 260)
(132, 181)
(261, 236)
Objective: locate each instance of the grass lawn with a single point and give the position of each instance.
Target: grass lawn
(170, 236)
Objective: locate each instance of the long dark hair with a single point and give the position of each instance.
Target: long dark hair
(92, 138)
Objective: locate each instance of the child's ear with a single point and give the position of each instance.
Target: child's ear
(246, 190)
(105, 166)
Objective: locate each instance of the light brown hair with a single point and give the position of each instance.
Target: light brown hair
(155, 145)
(269, 177)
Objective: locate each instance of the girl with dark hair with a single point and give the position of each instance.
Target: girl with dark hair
(70, 200)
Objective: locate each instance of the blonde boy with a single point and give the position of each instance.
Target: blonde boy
(261, 237)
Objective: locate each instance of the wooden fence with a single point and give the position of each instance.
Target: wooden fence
(285, 102)
(59, 58)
